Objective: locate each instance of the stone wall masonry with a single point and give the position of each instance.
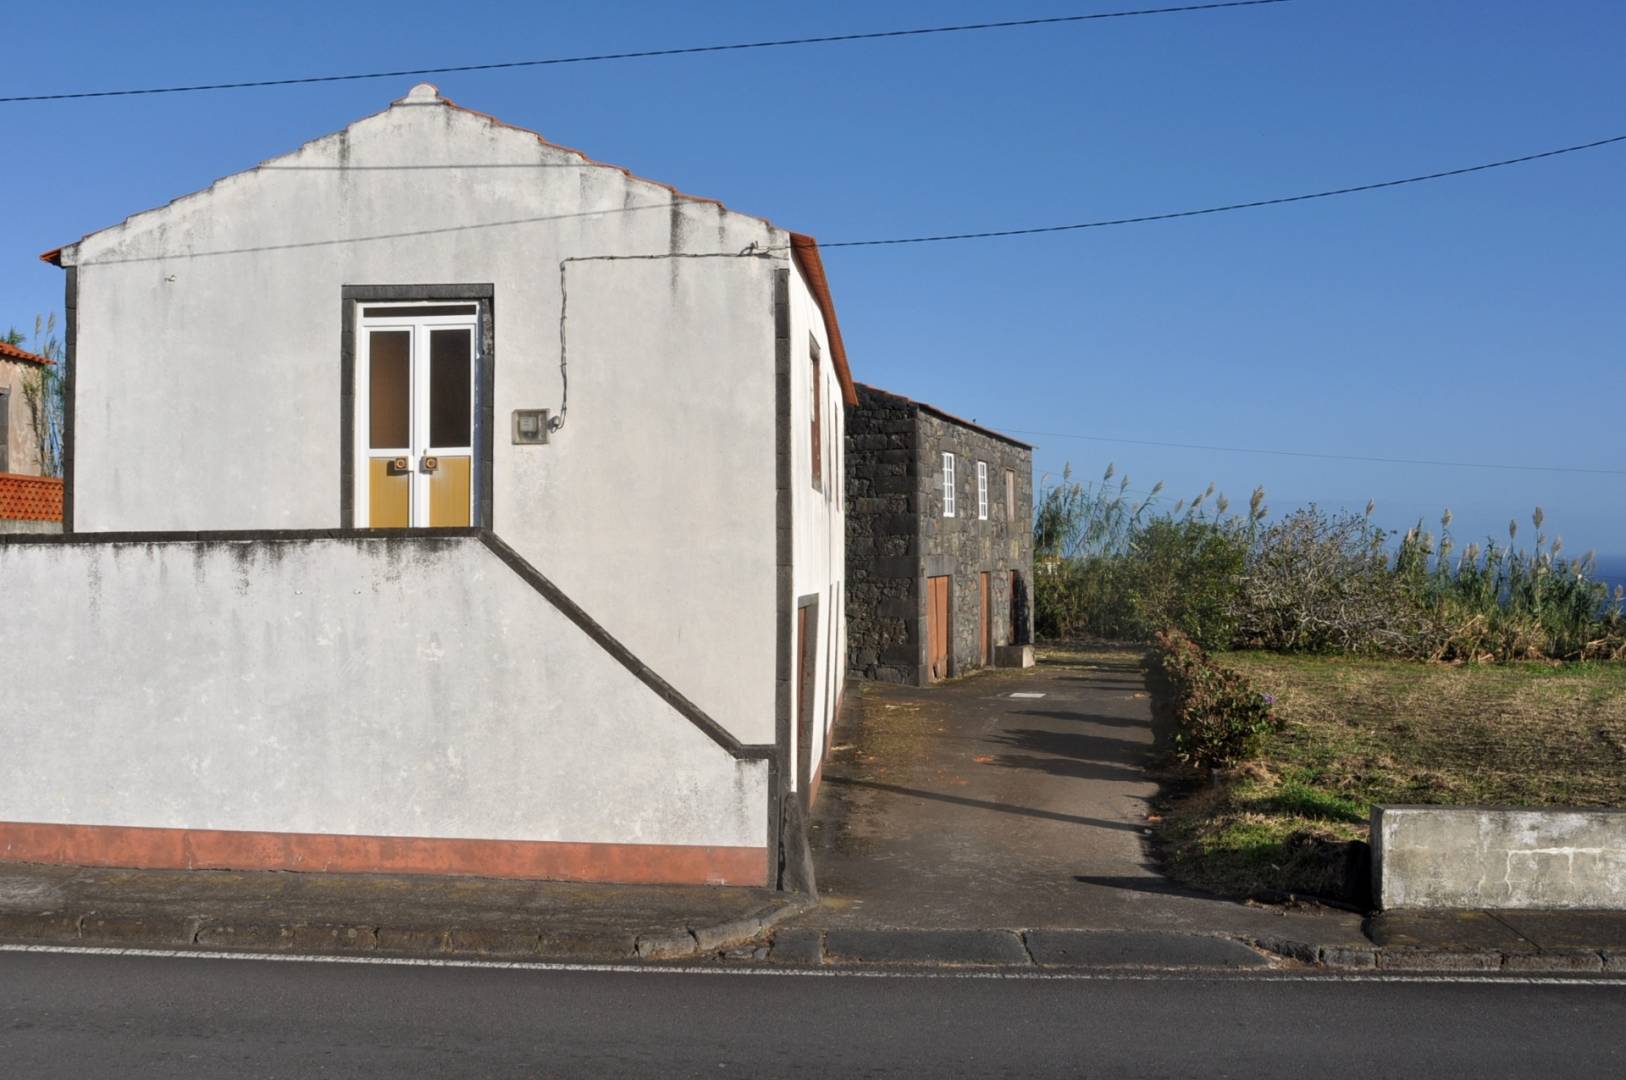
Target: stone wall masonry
(883, 602)
(966, 546)
(1489, 857)
(897, 537)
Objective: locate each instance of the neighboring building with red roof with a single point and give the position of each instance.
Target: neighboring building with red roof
(19, 445)
(438, 499)
(29, 502)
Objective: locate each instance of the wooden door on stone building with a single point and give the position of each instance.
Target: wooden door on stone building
(937, 628)
(985, 628)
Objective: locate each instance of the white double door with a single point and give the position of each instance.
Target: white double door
(416, 387)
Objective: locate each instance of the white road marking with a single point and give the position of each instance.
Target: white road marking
(1534, 979)
(1027, 694)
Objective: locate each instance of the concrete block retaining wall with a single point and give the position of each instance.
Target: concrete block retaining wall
(1490, 857)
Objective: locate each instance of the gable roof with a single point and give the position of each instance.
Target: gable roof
(803, 248)
(12, 352)
(950, 417)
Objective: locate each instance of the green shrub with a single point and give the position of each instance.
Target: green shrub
(1107, 566)
(1183, 573)
(1219, 716)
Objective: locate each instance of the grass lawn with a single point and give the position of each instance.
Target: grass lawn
(1358, 731)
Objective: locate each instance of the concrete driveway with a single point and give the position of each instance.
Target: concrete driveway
(1008, 799)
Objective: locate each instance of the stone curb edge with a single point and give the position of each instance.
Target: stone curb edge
(95, 928)
(809, 947)
(1421, 959)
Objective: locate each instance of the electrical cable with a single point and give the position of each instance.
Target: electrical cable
(644, 54)
(1318, 455)
(1169, 216)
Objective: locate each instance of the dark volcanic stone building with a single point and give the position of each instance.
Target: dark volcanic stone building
(939, 542)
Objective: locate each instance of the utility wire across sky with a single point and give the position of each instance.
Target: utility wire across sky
(1281, 200)
(903, 240)
(646, 54)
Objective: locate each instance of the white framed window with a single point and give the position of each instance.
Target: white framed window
(982, 491)
(948, 485)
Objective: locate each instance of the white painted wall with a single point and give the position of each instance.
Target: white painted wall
(819, 521)
(208, 394)
(368, 687)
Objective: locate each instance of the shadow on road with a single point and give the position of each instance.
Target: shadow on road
(981, 804)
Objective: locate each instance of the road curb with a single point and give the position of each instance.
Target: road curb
(107, 929)
(1568, 961)
(810, 947)
(1022, 949)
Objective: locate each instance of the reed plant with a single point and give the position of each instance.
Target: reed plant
(1113, 563)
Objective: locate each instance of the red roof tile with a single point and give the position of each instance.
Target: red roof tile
(806, 251)
(30, 498)
(12, 352)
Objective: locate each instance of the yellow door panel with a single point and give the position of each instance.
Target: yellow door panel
(449, 493)
(389, 495)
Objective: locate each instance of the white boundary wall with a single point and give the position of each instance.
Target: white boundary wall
(358, 686)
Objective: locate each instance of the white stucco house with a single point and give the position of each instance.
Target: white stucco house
(438, 500)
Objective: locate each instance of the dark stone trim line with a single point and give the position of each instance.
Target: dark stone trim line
(484, 423)
(602, 637)
(784, 582)
(70, 333)
(804, 692)
(347, 410)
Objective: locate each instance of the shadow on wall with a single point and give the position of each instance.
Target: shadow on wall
(1021, 611)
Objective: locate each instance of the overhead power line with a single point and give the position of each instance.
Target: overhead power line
(1171, 215)
(646, 54)
(1318, 455)
(1104, 223)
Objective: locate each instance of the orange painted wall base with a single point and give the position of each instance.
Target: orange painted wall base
(214, 849)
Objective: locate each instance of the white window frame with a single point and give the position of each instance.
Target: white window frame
(982, 491)
(419, 327)
(948, 484)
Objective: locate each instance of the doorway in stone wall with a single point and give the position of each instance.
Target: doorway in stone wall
(985, 627)
(937, 628)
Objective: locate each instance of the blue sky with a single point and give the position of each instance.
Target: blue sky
(1477, 319)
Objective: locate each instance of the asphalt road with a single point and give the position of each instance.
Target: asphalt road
(76, 1015)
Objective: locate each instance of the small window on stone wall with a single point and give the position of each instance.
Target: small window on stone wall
(1010, 494)
(948, 485)
(982, 491)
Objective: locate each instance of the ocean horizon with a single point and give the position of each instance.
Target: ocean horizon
(1612, 570)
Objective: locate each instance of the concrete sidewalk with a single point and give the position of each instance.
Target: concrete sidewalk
(399, 915)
